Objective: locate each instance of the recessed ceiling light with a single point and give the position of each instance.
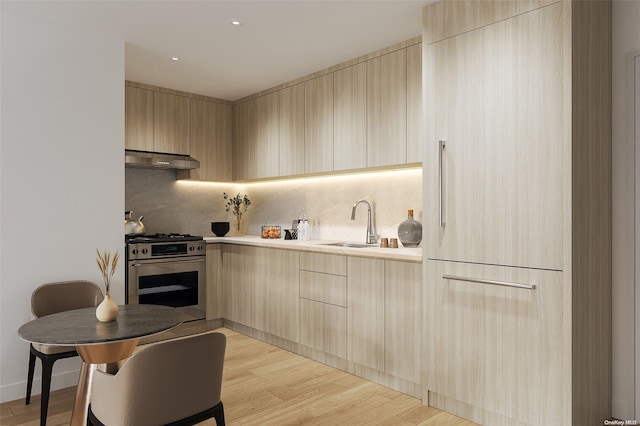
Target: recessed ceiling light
(175, 58)
(235, 22)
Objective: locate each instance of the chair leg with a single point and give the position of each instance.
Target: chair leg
(47, 369)
(219, 415)
(32, 367)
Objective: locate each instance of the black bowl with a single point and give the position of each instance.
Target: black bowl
(220, 228)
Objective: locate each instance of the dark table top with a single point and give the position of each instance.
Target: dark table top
(80, 326)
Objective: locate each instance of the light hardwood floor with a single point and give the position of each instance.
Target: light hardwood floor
(266, 385)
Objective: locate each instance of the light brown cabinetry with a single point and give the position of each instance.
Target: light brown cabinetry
(171, 123)
(318, 124)
(282, 271)
(387, 109)
(243, 132)
(237, 284)
(385, 316)
(362, 315)
(210, 140)
(403, 320)
(502, 162)
(257, 138)
(292, 130)
(415, 118)
(265, 152)
(519, 191)
(260, 288)
(509, 340)
(350, 118)
(364, 113)
(366, 311)
(214, 277)
(323, 303)
(163, 120)
(138, 123)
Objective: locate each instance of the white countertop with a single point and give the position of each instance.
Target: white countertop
(319, 246)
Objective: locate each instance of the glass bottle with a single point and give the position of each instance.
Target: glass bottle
(410, 231)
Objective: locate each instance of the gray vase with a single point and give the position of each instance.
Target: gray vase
(410, 231)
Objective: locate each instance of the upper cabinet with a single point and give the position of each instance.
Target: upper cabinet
(415, 119)
(171, 123)
(364, 113)
(387, 109)
(292, 130)
(138, 124)
(318, 124)
(360, 114)
(350, 117)
(264, 147)
(256, 140)
(210, 140)
(163, 120)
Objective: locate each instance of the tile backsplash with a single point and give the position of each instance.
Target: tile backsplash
(170, 205)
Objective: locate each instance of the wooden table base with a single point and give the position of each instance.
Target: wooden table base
(92, 355)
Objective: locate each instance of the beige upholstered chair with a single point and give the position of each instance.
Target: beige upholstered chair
(174, 382)
(50, 299)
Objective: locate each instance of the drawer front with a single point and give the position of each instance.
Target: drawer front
(323, 288)
(323, 327)
(494, 345)
(326, 263)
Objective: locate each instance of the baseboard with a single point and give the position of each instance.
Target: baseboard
(18, 390)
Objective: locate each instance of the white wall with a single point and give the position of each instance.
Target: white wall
(626, 45)
(61, 173)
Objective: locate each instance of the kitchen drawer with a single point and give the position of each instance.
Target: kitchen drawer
(326, 263)
(487, 340)
(325, 288)
(323, 327)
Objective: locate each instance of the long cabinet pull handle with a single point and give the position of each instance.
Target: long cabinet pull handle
(440, 183)
(168, 263)
(490, 282)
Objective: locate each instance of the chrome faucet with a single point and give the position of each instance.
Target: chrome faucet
(371, 237)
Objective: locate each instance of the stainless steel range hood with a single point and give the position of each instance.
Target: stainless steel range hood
(159, 160)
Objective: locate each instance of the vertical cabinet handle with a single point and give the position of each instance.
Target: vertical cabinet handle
(440, 183)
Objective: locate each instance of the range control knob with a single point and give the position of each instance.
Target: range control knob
(145, 251)
(134, 251)
(200, 248)
(192, 248)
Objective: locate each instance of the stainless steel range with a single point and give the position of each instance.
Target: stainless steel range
(167, 269)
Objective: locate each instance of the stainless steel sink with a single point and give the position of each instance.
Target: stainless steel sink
(350, 245)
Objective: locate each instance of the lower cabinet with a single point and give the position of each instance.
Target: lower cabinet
(214, 279)
(403, 320)
(385, 316)
(323, 303)
(499, 349)
(323, 327)
(359, 314)
(282, 270)
(366, 312)
(261, 289)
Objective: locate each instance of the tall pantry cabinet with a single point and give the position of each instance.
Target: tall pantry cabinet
(517, 182)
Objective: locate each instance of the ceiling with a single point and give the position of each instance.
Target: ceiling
(277, 41)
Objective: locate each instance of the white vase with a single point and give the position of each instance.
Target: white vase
(107, 310)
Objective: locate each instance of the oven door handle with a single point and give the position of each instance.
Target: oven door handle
(172, 262)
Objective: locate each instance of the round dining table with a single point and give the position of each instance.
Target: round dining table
(99, 342)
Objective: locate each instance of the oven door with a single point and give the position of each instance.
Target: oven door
(178, 282)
